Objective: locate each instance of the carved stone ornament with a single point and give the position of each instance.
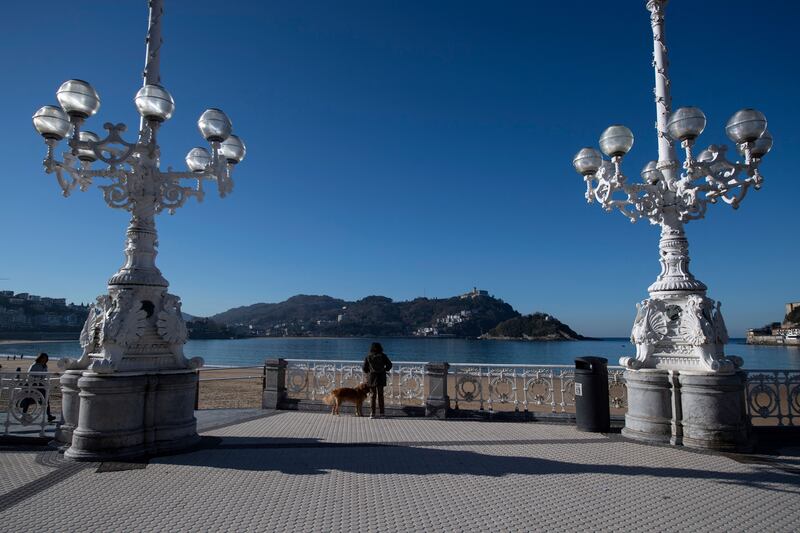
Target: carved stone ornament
(123, 331)
(680, 333)
(171, 326)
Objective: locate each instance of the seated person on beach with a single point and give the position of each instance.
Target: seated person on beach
(40, 382)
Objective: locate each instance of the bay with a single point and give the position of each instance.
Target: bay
(253, 351)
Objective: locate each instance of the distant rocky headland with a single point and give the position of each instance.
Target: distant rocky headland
(474, 314)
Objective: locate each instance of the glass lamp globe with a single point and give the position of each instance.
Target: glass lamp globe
(761, 146)
(587, 161)
(616, 140)
(87, 154)
(154, 103)
(232, 149)
(214, 125)
(51, 122)
(687, 123)
(78, 98)
(650, 173)
(198, 159)
(746, 125)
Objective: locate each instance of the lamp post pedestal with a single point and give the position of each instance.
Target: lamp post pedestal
(695, 409)
(678, 327)
(132, 391)
(682, 389)
(129, 414)
(70, 408)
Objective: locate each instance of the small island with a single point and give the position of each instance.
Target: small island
(535, 327)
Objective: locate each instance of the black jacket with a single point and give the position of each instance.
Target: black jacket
(376, 365)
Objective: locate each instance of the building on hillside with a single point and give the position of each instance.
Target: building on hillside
(11, 318)
(790, 308)
(474, 293)
(457, 318)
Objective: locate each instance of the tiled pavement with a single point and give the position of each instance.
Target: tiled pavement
(313, 472)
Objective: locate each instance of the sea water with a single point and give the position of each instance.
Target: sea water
(253, 351)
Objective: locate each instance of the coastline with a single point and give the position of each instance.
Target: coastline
(547, 338)
(32, 341)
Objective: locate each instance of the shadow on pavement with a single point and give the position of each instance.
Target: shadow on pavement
(315, 457)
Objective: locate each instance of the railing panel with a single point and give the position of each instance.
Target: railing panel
(548, 388)
(24, 398)
(773, 397)
(405, 384)
(617, 390)
(314, 379)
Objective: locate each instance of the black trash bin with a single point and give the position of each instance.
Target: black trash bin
(591, 394)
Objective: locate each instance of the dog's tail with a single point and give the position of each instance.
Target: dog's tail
(329, 399)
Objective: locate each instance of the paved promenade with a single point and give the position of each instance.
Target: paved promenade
(293, 471)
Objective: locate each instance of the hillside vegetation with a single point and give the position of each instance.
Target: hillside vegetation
(538, 326)
(371, 316)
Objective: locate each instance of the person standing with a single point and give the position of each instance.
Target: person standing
(376, 365)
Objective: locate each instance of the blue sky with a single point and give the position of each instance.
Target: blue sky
(407, 148)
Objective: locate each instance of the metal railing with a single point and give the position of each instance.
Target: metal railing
(313, 379)
(24, 399)
(773, 397)
(526, 386)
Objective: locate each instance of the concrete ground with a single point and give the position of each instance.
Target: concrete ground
(292, 471)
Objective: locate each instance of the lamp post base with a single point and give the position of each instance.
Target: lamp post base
(649, 416)
(128, 415)
(695, 409)
(70, 406)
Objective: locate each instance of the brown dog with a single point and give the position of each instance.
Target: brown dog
(345, 394)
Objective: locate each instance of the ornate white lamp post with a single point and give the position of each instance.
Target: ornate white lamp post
(682, 388)
(137, 388)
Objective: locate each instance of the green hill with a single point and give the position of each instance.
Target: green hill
(538, 326)
(304, 315)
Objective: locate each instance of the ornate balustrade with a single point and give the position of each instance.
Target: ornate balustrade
(525, 387)
(24, 397)
(312, 379)
(773, 397)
